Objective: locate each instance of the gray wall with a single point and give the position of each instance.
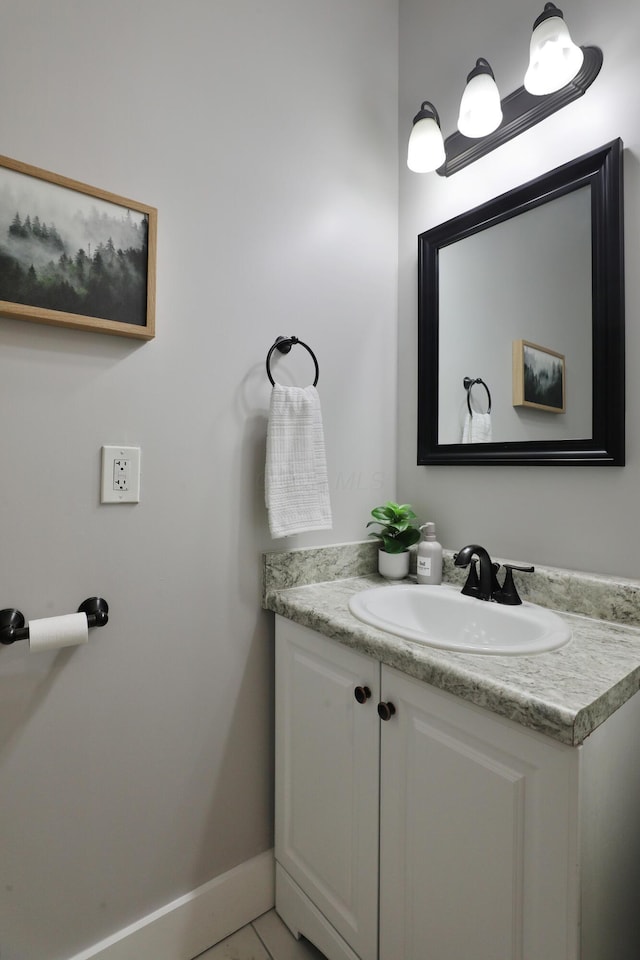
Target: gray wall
(584, 518)
(136, 768)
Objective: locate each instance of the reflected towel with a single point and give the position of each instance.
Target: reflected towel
(296, 483)
(477, 428)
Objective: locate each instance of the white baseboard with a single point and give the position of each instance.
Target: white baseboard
(187, 926)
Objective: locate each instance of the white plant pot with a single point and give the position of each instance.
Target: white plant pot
(393, 566)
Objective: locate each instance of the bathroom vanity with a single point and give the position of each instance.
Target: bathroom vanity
(433, 805)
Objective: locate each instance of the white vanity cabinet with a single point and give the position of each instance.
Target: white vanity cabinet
(444, 832)
(327, 782)
(478, 834)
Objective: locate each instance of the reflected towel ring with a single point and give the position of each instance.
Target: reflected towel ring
(284, 344)
(468, 383)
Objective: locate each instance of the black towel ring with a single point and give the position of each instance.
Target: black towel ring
(468, 383)
(284, 344)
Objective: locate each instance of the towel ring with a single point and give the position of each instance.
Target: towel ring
(284, 344)
(468, 383)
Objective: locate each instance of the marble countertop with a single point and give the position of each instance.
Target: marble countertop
(564, 694)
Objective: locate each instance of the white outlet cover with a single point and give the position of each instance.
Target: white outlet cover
(120, 484)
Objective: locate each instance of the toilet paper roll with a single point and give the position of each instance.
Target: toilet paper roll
(51, 633)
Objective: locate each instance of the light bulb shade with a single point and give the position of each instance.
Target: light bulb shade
(480, 109)
(426, 144)
(554, 59)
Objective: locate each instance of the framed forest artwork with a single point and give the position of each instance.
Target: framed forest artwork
(538, 377)
(74, 255)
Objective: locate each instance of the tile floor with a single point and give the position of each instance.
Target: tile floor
(267, 938)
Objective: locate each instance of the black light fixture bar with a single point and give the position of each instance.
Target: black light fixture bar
(520, 110)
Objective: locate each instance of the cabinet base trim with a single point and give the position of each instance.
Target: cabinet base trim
(303, 918)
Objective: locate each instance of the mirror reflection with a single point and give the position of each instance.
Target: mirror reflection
(528, 278)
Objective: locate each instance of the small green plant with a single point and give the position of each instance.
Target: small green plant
(398, 526)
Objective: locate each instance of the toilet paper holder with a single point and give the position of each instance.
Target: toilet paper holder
(12, 622)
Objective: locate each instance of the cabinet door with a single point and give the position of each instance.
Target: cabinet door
(327, 757)
(478, 851)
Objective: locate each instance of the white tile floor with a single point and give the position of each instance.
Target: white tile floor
(267, 938)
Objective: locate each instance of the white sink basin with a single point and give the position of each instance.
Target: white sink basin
(442, 617)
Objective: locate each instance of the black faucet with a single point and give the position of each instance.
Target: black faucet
(487, 585)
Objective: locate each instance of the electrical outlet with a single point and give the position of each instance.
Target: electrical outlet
(121, 470)
(120, 475)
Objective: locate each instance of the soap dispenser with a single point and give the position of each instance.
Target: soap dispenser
(429, 556)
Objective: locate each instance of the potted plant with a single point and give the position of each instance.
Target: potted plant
(398, 531)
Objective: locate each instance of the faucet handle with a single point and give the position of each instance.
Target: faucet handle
(495, 586)
(508, 594)
(472, 583)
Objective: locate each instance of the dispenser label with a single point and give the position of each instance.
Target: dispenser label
(424, 566)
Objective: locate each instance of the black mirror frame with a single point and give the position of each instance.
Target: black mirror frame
(602, 170)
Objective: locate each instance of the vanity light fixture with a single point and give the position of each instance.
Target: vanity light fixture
(554, 59)
(426, 143)
(480, 110)
(558, 73)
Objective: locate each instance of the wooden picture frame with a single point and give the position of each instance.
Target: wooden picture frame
(538, 377)
(74, 255)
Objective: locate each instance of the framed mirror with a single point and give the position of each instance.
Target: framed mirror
(521, 324)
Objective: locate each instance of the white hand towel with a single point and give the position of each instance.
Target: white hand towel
(296, 483)
(477, 428)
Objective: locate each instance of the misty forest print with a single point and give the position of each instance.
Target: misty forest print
(62, 250)
(543, 378)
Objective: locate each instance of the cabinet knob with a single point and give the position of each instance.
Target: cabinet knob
(362, 694)
(386, 711)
